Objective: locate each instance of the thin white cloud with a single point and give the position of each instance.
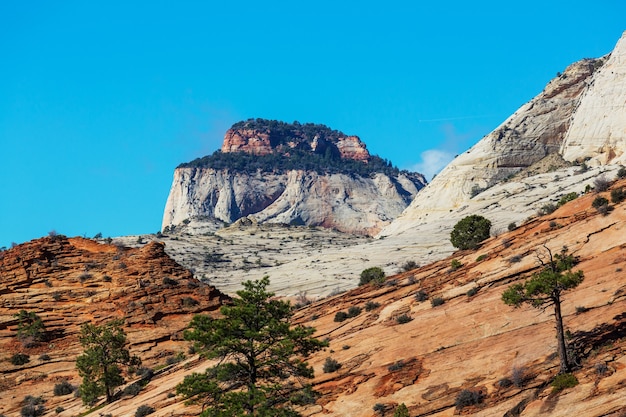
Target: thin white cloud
(432, 161)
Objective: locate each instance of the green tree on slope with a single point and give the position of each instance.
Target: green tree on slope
(261, 369)
(470, 231)
(104, 354)
(545, 289)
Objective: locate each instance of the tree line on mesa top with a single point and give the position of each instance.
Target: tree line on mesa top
(326, 159)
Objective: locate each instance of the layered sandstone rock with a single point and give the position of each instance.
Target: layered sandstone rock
(470, 341)
(333, 198)
(347, 203)
(69, 282)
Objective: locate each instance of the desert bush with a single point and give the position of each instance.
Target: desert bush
(421, 295)
(132, 389)
(189, 302)
(601, 368)
(84, 276)
(401, 411)
(476, 189)
(169, 282)
(547, 208)
(371, 305)
(505, 383)
(455, 264)
(404, 318)
(601, 204)
(331, 365)
(354, 311)
(33, 407)
(44, 357)
(30, 328)
(621, 173)
(604, 210)
(59, 410)
(470, 231)
(144, 410)
(518, 376)
(409, 265)
(379, 408)
(562, 381)
(618, 195)
(374, 275)
(581, 309)
(601, 184)
(391, 283)
(472, 292)
(512, 226)
(515, 259)
(302, 300)
(599, 201)
(179, 357)
(63, 388)
(481, 257)
(468, 397)
(437, 301)
(340, 316)
(19, 359)
(567, 198)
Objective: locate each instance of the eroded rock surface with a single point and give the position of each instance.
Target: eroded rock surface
(332, 196)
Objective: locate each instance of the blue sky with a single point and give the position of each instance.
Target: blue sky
(100, 101)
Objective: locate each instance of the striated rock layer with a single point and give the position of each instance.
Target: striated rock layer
(342, 188)
(348, 203)
(69, 282)
(399, 346)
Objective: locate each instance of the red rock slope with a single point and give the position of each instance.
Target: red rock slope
(68, 282)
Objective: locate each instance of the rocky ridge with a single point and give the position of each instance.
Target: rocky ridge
(328, 190)
(469, 340)
(579, 115)
(69, 282)
(557, 143)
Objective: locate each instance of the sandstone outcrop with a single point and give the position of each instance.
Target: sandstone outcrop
(69, 282)
(330, 196)
(579, 115)
(402, 347)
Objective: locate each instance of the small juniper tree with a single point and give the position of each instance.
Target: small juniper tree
(99, 365)
(470, 231)
(374, 275)
(545, 289)
(261, 369)
(401, 411)
(30, 328)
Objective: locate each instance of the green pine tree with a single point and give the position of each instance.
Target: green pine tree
(261, 367)
(100, 364)
(545, 289)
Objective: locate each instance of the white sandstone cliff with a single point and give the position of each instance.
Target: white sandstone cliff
(580, 115)
(349, 203)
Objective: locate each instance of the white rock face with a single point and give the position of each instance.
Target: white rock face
(598, 129)
(348, 203)
(581, 114)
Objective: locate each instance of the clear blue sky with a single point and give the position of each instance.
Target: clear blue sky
(100, 101)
